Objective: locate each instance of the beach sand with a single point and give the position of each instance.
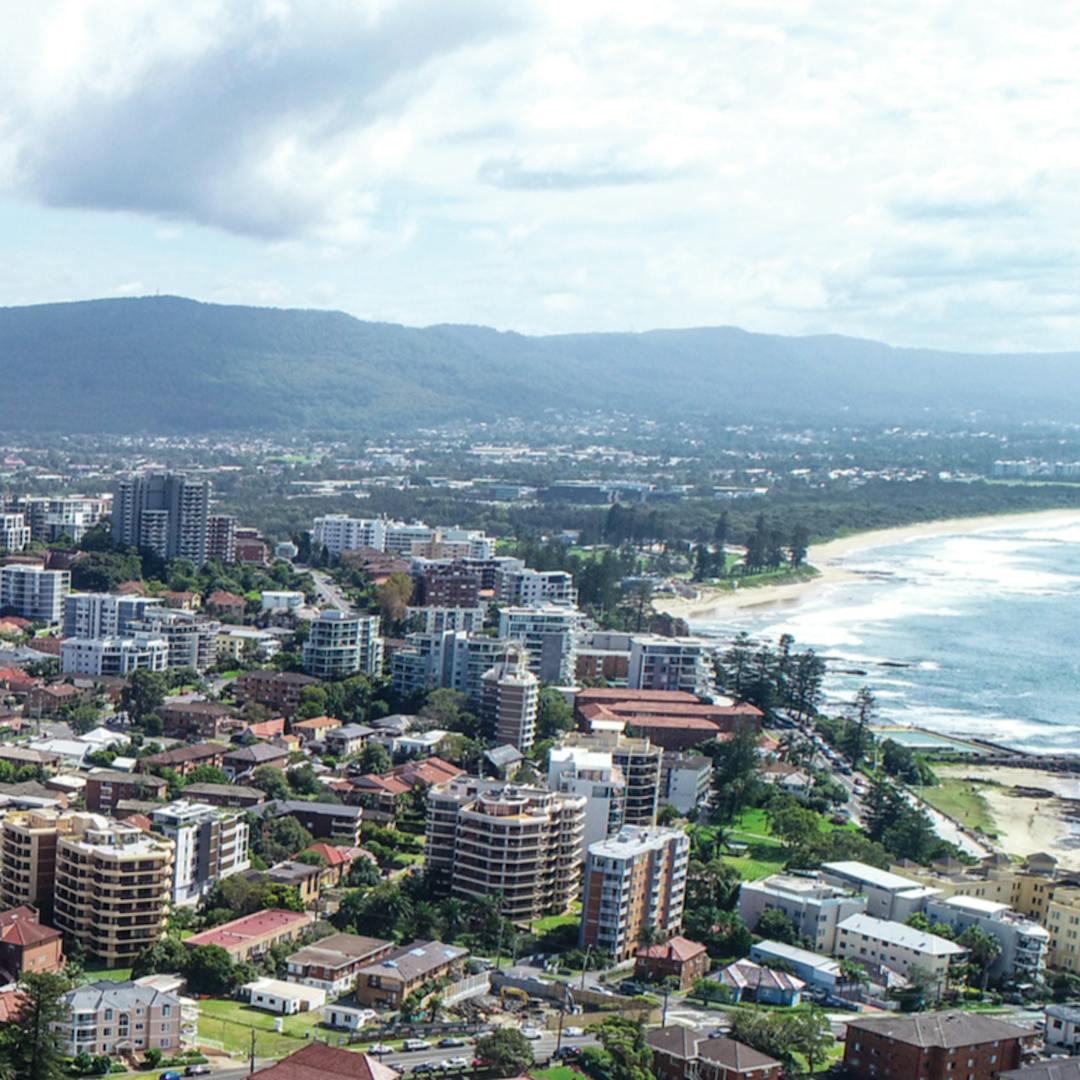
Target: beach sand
(1028, 823)
(828, 558)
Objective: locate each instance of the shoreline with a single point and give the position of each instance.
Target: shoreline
(828, 559)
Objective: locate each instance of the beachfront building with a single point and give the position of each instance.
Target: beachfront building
(814, 907)
(888, 896)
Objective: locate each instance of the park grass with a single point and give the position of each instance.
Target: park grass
(95, 972)
(554, 922)
(556, 1072)
(961, 800)
(229, 1023)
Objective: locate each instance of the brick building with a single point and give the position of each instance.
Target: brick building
(678, 958)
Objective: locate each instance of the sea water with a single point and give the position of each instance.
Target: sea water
(973, 635)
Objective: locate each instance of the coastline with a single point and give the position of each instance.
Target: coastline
(828, 559)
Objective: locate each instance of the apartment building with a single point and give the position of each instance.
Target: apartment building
(35, 593)
(549, 632)
(105, 789)
(682, 1053)
(189, 718)
(281, 601)
(210, 844)
(1063, 923)
(340, 644)
(633, 880)
(511, 702)
(1024, 943)
(165, 512)
(252, 936)
(221, 539)
(100, 615)
(114, 1018)
(896, 946)
(333, 963)
(663, 663)
(14, 532)
(448, 585)
(522, 587)
(641, 766)
(685, 781)
(453, 659)
(592, 775)
(325, 821)
(51, 518)
(437, 619)
(888, 896)
(117, 657)
(336, 533)
(28, 858)
(191, 639)
(524, 843)
(814, 907)
(386, 983)
(933, 1046)
(278, 691)
(113, 885)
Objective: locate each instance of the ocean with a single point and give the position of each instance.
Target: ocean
(973, 635)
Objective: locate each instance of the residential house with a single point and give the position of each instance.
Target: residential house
(305, 878)
(678, 958)
(325, 821)
(314, 729)
(682, 1053)
(26, 946)
(185, 759)
(281, 997)
(750, 982)
(225, 794)
(106, 787)
(818, 972)
(1062, 1031)
(319, 1061)
(227, 606)
(246, 759)
(346, 740)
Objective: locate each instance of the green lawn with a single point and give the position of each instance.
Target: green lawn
(556, 1072)
(229, 1024)
(94, 972)
(961, 800)
(553, 922)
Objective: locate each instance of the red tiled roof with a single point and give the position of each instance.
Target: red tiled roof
(12, 1003)
(317, 1061)
(432, 770)
(607, 694)
(334, 856)
(249, 926)
(221, 598)
(393, 784)
(20, 926)
(677, 948)
(317, 723)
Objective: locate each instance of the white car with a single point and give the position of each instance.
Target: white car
(415, 1044)
(532, 1033)
(381, 1048)
(574, 1032)
(457, 1063)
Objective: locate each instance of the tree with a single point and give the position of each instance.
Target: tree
(776, 925)
(735, 772)
(363, 873)
(449, 711)
(271, 780)
(394, 595)
(375, 758)
(794, 824)
(864, 712)
(509, 1052)
(144, 693)
(810, 1034)
(555, 714)
(280, 838)
(798, 545)
(210, 970)
(624, 1041)
(167, 955)
(31, 1047)
(983, 949)
(207, 774)
(153, 1057)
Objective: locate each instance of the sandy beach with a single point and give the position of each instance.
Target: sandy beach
(1028, 823)
(828, 560)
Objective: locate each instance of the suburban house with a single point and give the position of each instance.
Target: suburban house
(318, 1061)
(333, 963)
(283, 998)
(681, 1053)
(185, 759)
(750, 982)
(26, 946)
(316, 728)
(346, 740)
(246, 759)
(677, 958)
(386, 983)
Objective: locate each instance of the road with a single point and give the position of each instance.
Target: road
(328, 591)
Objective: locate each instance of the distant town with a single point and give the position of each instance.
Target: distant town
(318, 759)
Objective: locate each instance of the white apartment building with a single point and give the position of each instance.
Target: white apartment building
(535, 588)
(435, 620)
(50, 518)
(339, 532)
(91, 615)
(814, 907)
(888, 895)
(341, 644)
(113, 655)
(550, 634)
(285, 601)
(192, 640)
(14, 532)
(400, 536)
(896, 946)
(664, 663)
(633, 880)
(210, 843)
(1024, 943)
(35, 593)
(685, 781)
(594, 776)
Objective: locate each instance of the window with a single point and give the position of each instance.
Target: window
(166, 1010)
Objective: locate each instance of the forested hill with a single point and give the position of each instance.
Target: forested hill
(168, 364)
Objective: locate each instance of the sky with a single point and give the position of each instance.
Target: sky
(906, 171)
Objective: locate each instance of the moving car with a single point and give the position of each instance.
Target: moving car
(415, 1044)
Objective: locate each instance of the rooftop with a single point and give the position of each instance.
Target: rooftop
(870, 875)
(900, 934)
(318, 1061)
(416, 960)
(954, 1029)
(255, 925)
(338, 949)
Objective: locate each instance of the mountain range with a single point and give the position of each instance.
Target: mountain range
(170, 365)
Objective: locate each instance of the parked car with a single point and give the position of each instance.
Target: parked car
(456, 1063)
(574, 1032)
(452, 1040)
(198, 1070)
(409, 1045)
(170, 1074)
(566, 1052)
(532, 1033)
(381, 1048)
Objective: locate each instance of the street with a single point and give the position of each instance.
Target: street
(328, 591)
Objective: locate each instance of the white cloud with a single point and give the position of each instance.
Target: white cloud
(899, 170)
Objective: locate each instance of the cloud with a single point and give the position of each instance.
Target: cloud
(551, 165)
